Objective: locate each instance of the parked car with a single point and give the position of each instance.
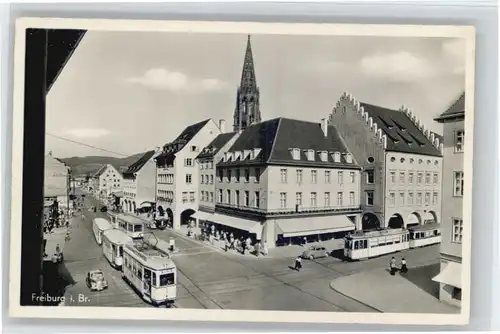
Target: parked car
(95, 280)
(104, 209)
(315, 252)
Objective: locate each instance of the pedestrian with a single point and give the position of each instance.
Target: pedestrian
(304, 241)
(392, 266)
(404, 269)
(226, 245)
(266, 249)
(298, 263)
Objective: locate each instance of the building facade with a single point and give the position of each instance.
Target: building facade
(401, 163)
(284, 181)
(247, 111)
(107, 180)
(177, 176)
(56, 183)
(453, 121)
(139, 184)
(207, 160)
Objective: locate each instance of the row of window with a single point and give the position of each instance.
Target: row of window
(430, 178)
(233, 197)
(207, 165)
(412, 161)
(408, 199)
(228, 175)
(314, 176)
(207, 196)
(127, 194)
(166, 194)
(207, 179)
(188, 197)
(227, 197)
(166, 178)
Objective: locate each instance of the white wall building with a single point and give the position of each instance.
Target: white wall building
(177, 172)
(139, 183)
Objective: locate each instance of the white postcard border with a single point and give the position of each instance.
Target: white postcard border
(16, 310)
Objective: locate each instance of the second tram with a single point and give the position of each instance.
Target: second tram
(113, 242)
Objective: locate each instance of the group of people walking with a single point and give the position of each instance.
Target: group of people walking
(393, 267)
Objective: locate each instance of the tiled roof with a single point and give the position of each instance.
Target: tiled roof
(136, 166)
(277, 137)
(457, 109)
(100, 171)
(170, 149)
(216, 145)
(402, 134)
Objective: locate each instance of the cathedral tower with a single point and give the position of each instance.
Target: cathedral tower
(247, 111)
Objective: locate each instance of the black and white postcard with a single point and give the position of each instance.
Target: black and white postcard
(239, 171)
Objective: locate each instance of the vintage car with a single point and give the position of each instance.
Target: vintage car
(315, 252)
(95, 280)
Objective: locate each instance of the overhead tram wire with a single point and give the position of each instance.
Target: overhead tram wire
(86, 145)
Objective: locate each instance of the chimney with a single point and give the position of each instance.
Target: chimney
(222, 125)
(324, 126)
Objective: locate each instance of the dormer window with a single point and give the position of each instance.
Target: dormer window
(226, 156)
(194, 148)
(255, 152)
(295, 153)
(336, 157)
(237, 155)
(348, 158)
(324, 156)
(246, 153)
(310, 155)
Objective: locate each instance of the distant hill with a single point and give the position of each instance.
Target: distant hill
(91, 164)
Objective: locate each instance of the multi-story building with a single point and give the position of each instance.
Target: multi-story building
(206, 162)
(453, 189)
(284, 180)
(177, 173)
(247, 111)
(139, 183)
(56, 183)
(107, 180)
(401, 161)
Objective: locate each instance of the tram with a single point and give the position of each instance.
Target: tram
(112, 246)
(112, 219)
(99, 225)
(151, 272)
(364, 245)
(133, 227)
(424, 235)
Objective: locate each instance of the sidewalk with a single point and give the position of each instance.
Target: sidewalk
(218, 245)
(392, 294)
(57, 237)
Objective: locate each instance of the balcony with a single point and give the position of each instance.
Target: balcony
(288, 212)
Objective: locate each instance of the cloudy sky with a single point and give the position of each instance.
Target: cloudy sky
(132, 91)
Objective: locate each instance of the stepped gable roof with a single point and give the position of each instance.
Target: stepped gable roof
(216, 145)
(170, 149)
(277, 137)
(402, 134)
(137, 165)
(456, 109)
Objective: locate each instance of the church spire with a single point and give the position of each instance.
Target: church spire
(247, 111)
(248, 79)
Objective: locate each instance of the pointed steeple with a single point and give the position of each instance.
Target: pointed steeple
(248, 79)
(247, 111)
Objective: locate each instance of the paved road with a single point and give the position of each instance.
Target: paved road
(212, 279)
(235, 282)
